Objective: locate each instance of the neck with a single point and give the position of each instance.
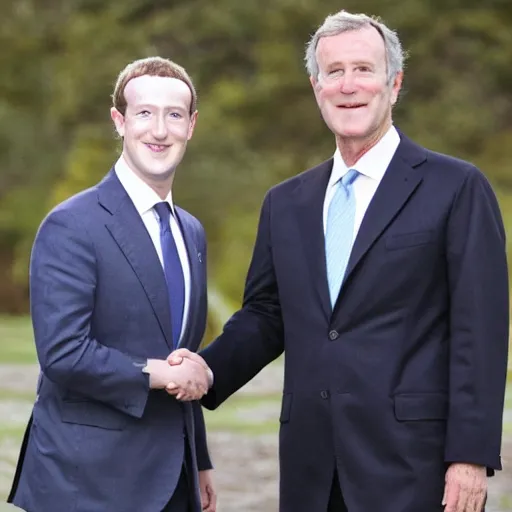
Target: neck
(352, 149)
(162, 187)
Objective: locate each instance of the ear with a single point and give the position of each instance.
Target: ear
(316, 85)
(397, 85)
(118, 119)
(192, 125)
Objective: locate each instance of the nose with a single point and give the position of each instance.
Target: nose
(348, 84)
(159, 127)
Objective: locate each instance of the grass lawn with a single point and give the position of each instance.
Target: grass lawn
(16, 341)
(246, 414)
(17, 347)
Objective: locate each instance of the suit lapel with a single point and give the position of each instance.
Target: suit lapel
(398, 183)
(130, 234)
(195, 261)
(309, 203)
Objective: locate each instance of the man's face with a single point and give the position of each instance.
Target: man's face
(156, 126)
(352, 90)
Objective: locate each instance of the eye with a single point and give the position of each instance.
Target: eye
(334, 74)
(143, 113)
(175, 115)
(364, 69)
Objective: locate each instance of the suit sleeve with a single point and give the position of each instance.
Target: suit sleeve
(203, 457)
(62, 289)
(479, 325)
(252, 337)
(202, 454)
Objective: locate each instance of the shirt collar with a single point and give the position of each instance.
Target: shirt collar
(141, 194)
(373, 163)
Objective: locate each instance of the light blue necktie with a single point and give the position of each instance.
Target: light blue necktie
(339, 232)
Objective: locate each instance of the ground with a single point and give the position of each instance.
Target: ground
(242, 437)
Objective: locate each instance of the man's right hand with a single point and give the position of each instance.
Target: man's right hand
(177, 357)
(184, 357)
(190, 377)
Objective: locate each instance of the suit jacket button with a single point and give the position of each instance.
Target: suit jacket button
(334, 335)
(324, 394)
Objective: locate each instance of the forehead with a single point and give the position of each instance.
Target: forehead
(160, 91)
(354, 45)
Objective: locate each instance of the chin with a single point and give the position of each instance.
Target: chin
(352, 134)
(157, 168)
(156, 174)
(163, 174)
(350, 130)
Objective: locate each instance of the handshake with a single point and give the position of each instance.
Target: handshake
(183, 374)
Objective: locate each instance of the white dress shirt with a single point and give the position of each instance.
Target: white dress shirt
(371, 167)
(144, 198)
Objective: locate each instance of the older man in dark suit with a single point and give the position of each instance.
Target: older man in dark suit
(382, 275)
(118, 280)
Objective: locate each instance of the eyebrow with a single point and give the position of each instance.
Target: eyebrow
(354, 63)
(363, 63)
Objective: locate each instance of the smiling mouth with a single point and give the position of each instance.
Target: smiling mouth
(353, 106)
(156, 148)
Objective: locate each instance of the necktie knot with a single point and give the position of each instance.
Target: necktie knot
(163, 211)
(349, 178)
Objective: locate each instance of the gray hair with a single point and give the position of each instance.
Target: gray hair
(344, 21)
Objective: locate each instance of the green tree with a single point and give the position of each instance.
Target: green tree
(258, 121)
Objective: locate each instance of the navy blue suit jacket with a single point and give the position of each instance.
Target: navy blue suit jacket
(407, 374)
(99, 438)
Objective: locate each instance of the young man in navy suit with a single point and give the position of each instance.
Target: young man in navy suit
(382, 275)
(118, 281)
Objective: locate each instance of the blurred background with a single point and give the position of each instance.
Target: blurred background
(258, 124)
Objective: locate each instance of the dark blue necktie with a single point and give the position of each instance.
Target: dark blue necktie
(172, 269)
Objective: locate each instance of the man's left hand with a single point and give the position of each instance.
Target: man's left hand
(465, 488)
(207, 490)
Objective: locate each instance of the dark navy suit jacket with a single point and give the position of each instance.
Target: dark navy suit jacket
(99, 439)
(407, 374)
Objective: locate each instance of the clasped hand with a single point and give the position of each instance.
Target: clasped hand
(184, 359)
(183, 374)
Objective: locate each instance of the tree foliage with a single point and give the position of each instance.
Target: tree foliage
(258, 121)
